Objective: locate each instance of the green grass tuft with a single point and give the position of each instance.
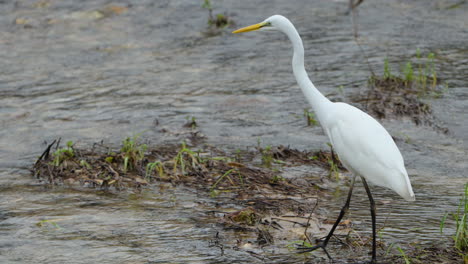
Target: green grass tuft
(60, 155)
(460, 218)
(133, 152)
(310, 117)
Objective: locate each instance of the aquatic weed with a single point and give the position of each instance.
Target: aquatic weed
(213, 191)
(84, 163)
(132, 152)
(424, 81)
(408, 73)
(310, 118)
(461, 235)
(191, 122)
(333, 163)
(63, 154)
(154, 166)
(276, 179)
(218, 21)
(403, 255)
(52, 222)
(180, 159)
(387, 72)
(460, 217)
(267, 156)
(427, 75)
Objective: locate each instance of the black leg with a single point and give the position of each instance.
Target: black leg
(343, 211)
(372, 209)
(352, 5)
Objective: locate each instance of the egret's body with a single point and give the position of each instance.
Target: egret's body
(363, 145)
(366, 149)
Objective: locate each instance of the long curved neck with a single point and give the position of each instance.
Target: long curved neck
(313, 96)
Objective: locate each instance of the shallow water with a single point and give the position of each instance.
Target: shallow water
(72, 72)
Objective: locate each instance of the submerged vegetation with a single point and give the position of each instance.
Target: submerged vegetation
(461, 223)
(132, 152)
(217, 21)
(63, 154)
(310, 118)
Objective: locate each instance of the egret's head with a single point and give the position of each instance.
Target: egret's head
(277, 22)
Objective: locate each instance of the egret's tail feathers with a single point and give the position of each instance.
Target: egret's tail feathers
(410, 197)
(403, 186)
(407, 193)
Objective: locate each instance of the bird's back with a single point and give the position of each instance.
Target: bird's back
(366, 148)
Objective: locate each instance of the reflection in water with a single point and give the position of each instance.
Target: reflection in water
(68, 72)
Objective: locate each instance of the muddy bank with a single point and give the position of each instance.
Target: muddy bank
(245, 174)
(273, 208)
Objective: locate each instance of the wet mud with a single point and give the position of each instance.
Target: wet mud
(251, 176)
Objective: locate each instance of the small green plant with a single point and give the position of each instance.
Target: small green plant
(310, 117)
(460, 218)
(207, 4)
(155, 166)
(408, 72)
(214, 192)
(427, 75)
(389, 248)
(334, 171)
(180, 159)
(220, 21)
(191, 122)
(43, 223)
(333, 164)
(84, 163)
(132, 151)
(225, 175)
(442, 222)
(246, 216)
(403, 255)
(276, 179)
(237, 155)
(387, 72)
(63, 154)
(341, 90)
(430, 69)
(267, 156)
(294, 244)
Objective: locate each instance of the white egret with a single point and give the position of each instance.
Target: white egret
(363, 145)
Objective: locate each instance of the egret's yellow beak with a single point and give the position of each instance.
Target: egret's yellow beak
(250, 28)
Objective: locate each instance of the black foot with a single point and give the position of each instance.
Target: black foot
(302, 249)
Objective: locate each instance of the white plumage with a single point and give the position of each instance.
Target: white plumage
(362, 144)
(366, 149)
